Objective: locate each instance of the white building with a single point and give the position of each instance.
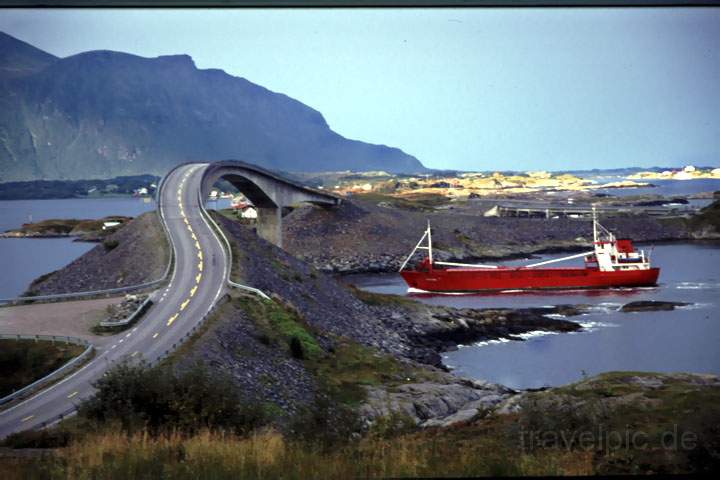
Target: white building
(108, 225)
(249, 212)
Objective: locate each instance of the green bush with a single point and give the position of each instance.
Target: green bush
(326, 422)
(110, 244)
(160, 400)
(296, 348)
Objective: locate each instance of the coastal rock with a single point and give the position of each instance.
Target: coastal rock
(651, 306)
(435, 404)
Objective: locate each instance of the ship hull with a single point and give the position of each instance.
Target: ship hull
(473, 279)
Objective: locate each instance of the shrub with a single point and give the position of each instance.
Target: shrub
(110, 244)
(160, 400)
(326, 422)
(296, 348)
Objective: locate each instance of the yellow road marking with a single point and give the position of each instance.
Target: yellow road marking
(200, 266)
(200, 254)
(72, 394)
(193, 236)
(27, 418)
(172, 319)
(156, 334)
(190, 229)
(198, 277)
(184, 304)
(197, 245)
(186, 221)
(192, 291)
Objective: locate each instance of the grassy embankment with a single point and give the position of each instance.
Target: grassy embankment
(24, 361)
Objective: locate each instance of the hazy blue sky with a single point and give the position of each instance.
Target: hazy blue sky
(457, 88)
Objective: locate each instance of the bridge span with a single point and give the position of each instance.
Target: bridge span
(269, 192)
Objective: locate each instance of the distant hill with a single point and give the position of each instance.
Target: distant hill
(103, 114)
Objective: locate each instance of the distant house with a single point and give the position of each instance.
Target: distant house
(249, 212)
(109, 225)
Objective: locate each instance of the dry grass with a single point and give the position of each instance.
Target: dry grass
(268, 454)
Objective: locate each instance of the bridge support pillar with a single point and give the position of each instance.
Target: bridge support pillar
(269, 225)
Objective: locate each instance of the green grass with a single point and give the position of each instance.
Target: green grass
(281, 324)
(24, 361)
(351, 367)
(346, 369)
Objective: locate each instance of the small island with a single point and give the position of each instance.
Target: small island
(93, 230)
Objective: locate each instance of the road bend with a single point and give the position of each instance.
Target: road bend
(195, 285)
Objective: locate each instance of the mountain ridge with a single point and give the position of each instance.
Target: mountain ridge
(101, 113)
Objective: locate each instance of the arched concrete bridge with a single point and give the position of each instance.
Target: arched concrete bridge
(269, 193)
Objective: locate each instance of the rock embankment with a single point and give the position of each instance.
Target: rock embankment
(135, 254)
(362, 236)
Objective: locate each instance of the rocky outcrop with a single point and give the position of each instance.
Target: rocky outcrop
(434, 404)
(121, 311)
(651, 306)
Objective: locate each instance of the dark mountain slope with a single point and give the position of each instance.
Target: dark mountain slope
(104, 114)
(18, 58)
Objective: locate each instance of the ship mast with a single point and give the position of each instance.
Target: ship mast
(595, 232)
(429, 247)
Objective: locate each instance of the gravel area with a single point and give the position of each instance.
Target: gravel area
(73, 318)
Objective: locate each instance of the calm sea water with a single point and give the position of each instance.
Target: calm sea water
(25, 259)
(685, 339)
(667, 188)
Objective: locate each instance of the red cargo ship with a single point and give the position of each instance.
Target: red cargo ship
(612, 263)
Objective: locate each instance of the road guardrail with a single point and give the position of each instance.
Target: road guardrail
(37, 384)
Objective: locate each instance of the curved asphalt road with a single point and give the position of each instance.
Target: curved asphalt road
(197, 282)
